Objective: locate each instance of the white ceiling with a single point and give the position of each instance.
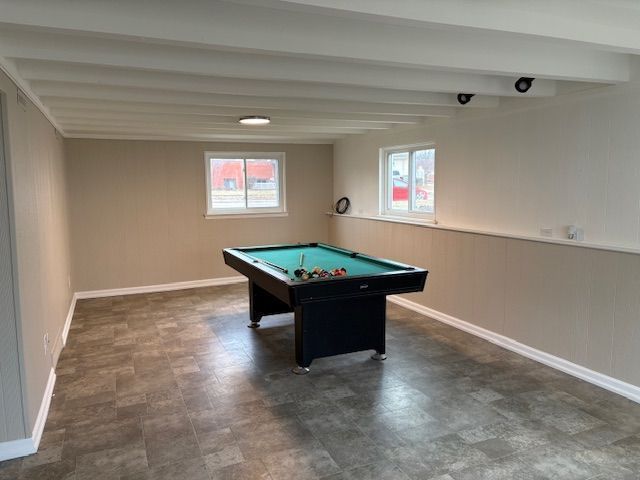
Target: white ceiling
(321, 69)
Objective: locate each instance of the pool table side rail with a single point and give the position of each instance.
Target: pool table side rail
(241, 254)
(375, 285)
(378, 261)
(260, 274)
(405, 280)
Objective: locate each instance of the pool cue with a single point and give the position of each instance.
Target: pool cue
(282, 269)
(301, 258)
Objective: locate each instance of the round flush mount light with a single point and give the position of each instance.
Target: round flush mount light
(254, 120)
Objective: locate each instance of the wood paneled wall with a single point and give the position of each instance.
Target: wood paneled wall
(571, 160)
(11, 417)
(579, 304)
(39, 207)
(137, 210)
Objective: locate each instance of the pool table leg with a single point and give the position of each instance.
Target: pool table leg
(254, 316)
(262, 303)
(326, 328)
(303, 355)
(381, 348)
(255, 319)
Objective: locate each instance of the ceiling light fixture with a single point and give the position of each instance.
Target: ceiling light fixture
(523, 84)
(254, 120)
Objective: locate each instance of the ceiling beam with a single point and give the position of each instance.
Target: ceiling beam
(201, 138)
(75, 124)
(99, 106)
(608, 24)
(251, 28)
(310, 86)
(29, 45)
(90, 132)
(79, 90)
(64, 114)
(92, 74)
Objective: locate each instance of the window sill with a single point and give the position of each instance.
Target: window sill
(406, 219)
(390, 218)
(230, 216)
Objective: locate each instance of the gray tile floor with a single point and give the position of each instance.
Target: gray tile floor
(174, 386)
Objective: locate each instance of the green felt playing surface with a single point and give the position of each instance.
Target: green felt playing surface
(324, 257)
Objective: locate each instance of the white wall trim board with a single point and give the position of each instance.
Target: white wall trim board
(165, 287)
(38, 428)
(28, 446)
(529, 238)
(632, 392)
(67, 322)
(241, 216)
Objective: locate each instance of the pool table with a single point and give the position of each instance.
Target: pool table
(332, 315)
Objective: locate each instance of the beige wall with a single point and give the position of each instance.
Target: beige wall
(576, 303)
(529, 165)
(39, 207)
(570, 161)
(11, 418)
(137, 210)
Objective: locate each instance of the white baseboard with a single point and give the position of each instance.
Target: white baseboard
(41, 419)
(632, 392)
(165, 287)
(28, 446)
(67, 322)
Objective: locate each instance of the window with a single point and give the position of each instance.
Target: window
(245, 183)
(408, 181)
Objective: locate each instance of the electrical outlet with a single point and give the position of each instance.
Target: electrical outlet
(46, 343)
(69, 281)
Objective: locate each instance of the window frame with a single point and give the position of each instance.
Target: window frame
(386, 177)
(280, 210)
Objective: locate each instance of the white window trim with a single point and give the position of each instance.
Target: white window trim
(384, 209)
(255, 212)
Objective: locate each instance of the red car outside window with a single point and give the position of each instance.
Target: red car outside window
(401, 190)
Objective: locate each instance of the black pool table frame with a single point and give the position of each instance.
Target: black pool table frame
(332, 315)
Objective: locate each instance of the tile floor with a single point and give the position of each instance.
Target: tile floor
(174, 386)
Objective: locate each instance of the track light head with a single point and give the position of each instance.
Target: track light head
(464, 98)
(523, 84)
